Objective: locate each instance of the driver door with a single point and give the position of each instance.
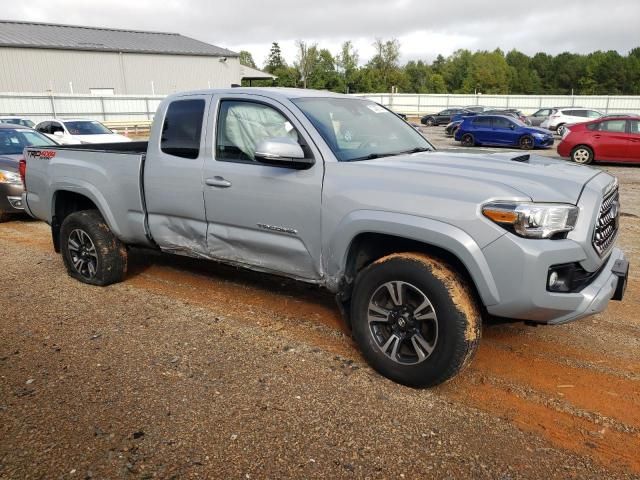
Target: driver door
(263, 216)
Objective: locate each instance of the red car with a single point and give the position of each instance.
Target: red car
(611, 139)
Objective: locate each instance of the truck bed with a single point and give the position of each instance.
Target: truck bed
(109, 174)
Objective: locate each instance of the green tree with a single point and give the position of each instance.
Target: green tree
(384, 64)
(347, 64)
(324, 75)
(305, 61)
(488, 73)
(247, 59)
(275, 60)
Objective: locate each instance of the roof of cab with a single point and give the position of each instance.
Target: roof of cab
(271, 92)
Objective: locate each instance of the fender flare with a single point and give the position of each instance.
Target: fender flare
(420, 229)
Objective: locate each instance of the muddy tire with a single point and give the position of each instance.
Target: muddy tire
(415, 319)
(91, 252)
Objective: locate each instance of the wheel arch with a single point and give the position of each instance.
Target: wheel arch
(356, 248)
(66, 202)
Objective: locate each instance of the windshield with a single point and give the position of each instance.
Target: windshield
(87, 128)
(18, 121)
(358, 129)
(13, 142)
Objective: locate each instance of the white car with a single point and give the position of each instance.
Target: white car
(74, 131)
(568, 116)
(25, 122)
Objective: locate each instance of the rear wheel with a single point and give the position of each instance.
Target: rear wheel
(526, 142)
(582, 155)
(560, 129)
(430, 122)
(91, 252)
(467, 140)
(414, 319)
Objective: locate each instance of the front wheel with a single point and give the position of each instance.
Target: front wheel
(415, 319)
(526, 142)
(90, 251)
(430, 122)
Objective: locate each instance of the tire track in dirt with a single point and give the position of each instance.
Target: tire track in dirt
(507, 363)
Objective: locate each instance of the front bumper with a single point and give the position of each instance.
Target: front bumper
(11, 198)
(543, 142)
(522, 280)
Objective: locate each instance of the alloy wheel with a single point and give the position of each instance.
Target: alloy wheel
(82, 251)
(403, 322)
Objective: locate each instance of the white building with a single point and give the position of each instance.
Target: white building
(40, 57)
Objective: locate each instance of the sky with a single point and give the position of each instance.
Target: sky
(424, 28)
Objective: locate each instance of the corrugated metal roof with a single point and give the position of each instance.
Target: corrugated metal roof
(70, 37)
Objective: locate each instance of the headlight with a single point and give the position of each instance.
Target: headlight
(533, 220)
(10, 177)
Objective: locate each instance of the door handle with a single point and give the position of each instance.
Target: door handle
(218, 182)
(596, 136)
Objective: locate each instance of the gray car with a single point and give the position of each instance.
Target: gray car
(340, 192)
(13, 140)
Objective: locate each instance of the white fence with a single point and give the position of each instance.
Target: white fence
(416, 104)
(143, 107)
(116, 108)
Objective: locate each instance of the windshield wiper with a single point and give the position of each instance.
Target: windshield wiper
(373, 156)
(415, 150)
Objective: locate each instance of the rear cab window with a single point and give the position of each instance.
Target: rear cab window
(182, 128)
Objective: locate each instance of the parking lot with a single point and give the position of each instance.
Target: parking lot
(191, 369)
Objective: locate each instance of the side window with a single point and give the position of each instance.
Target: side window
(499, 122)
(482, 122)
(570, 113)
(542, 113)
(44, 127)
(616, 126)
(593, 114)
(243, 125)
(55, 127)
(182, 128)
(634, 127)
(445, 112)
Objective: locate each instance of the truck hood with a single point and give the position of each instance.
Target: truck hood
(540, 178)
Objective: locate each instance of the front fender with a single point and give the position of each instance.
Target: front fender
(425, 230)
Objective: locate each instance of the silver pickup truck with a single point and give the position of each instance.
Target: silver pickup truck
(338, 191)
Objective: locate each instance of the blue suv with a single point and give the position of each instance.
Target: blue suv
(501, 130)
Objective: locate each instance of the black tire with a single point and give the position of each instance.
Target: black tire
(457, 324)
(526, 142)
(467, 140)
(4, 217)
(85, 240)
(430, 122)
(582, 155)
(559, 129)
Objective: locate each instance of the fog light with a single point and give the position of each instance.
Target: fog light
(553, 279)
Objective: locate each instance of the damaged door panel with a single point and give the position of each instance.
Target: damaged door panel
(262, 215)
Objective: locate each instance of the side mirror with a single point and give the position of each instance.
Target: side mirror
(282, 152)
(512, 127)
(58, 133)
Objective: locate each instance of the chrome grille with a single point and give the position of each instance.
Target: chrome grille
(606, 228)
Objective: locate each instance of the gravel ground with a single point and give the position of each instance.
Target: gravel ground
(189, 369)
